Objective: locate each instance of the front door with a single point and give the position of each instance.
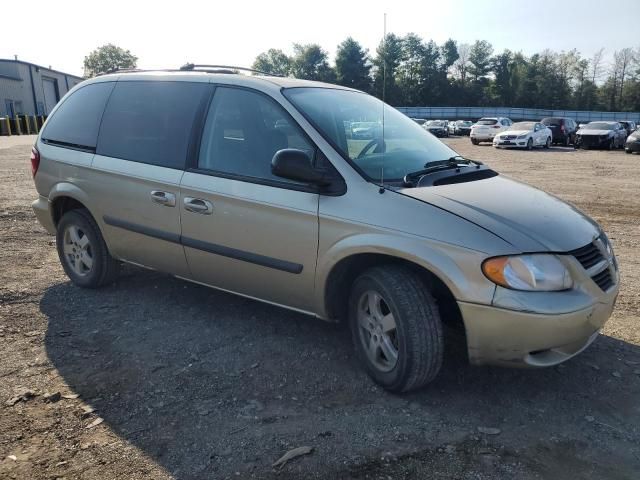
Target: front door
(244, 229)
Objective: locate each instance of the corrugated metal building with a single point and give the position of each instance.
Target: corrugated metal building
(29, 89)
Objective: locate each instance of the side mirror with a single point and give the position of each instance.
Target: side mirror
(296, 165)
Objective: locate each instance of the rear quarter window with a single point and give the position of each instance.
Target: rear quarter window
(151, 122)
(77, 120)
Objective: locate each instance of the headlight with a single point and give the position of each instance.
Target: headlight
(534, 272)
(520, 137)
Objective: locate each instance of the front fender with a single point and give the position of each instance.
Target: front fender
(457, 267)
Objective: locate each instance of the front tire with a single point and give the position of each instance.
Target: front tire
(83, 252)
(396, 328)
(547, 143)
(530, 144)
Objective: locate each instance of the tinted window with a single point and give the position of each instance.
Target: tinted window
(243, 131)
(150, 122)
(552, 121)
(487, 121)
(77, 119)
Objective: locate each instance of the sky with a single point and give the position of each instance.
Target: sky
(167, 34)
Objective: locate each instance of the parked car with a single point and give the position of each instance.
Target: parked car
(564, 129)
(365, 130)
(395, 237)
(462, 127)
(524, 135)
(629, 126)
(633, 142)
(488, 127)
(609, 135)
(438, 127)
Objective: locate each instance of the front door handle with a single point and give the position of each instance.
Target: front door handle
(198, 205)
(163, 198)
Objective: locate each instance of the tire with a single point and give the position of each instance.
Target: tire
(567, 140)
(612, 144)
(82, 251)
(416, 336)
(628, 151)
(548, 143)
(530, 144)
(474, 141)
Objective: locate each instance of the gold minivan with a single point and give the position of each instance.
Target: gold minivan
(271, 188)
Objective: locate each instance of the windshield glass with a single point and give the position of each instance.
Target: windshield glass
(465, 123)
(599, 126)
(487, 121)
(522, 126)
(407, 147)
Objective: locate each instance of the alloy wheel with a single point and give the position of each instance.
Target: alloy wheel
(378, 331)
(77, 250)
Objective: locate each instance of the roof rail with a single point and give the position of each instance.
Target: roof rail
(223, 69)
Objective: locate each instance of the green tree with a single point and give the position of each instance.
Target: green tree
(107, 58)
(273, 61)
(388, 57)
(480, 59)
(449, 54)
(352, 65)
(310, 62)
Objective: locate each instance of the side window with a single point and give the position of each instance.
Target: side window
(243, 131)
(76, 121)
(150, 121)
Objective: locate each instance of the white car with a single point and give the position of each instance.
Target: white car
(488, 127)
(524, 135)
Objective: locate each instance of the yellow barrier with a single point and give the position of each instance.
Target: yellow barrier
(15, 123)
(34, 124)
(5, 127)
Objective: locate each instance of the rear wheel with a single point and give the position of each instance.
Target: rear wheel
(548, 143)
(396, 328)
(567, 141)
(627, 151)
(612, 144)
(83, 252)
(474, 141)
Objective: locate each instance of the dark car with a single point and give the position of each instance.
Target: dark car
(608, 135)
(629, 126)
(563, 129)
(462, 127)
(438, 127)
(633, 142)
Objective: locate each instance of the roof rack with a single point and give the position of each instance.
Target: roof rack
(188, 67)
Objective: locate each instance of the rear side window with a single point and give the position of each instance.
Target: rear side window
(150, 122)
(77, 120)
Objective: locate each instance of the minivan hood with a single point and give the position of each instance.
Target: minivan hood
(529, 219)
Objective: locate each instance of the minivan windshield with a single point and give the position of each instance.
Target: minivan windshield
(353, 122)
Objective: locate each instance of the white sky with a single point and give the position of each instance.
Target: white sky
(60, 34)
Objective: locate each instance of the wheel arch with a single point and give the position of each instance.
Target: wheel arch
(64, 197)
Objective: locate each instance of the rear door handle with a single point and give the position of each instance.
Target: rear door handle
(163, 198)
(198, 205)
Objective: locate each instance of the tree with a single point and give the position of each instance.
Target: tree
(273, 61)
(480, 59)
(596, 65)
(310, 63)
(388, 58)
(352, 65)
(107, 58)
(461, 65)
(449, 54)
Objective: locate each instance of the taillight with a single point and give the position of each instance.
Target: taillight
(35, 160)
(562, 128)
(496, 126)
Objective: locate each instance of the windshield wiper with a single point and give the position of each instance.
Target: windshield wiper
(451, 163)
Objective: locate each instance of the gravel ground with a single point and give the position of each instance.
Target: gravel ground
(157, 378)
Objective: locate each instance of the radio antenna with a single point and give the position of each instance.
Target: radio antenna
(384, 91)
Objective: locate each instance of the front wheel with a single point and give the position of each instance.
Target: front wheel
(548, 143)
(530, 144)
(396, 328)
(83, 252)
(627, 151)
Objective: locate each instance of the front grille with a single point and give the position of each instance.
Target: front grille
(588, 256)
(591, 140)
(603, 279)
(509, 137)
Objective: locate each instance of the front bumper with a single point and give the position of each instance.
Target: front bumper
(592, 141)
(632, 146)
(498, 336)
(515, 143)
(42, 209)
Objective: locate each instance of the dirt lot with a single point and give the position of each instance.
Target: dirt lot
(195, 383)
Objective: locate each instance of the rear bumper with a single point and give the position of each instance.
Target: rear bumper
(42, 209)
(497, 336)
(482, 137)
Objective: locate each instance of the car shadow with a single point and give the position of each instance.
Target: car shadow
(207, 383)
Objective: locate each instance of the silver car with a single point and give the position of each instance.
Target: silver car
(255, 185)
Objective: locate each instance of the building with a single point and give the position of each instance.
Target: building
(29, 89)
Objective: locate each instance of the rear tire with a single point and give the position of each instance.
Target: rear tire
(628, 151)
(474, 141)
(396, 328)
(83, 252)
(612, 144)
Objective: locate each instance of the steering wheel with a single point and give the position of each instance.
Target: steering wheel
(381, 146)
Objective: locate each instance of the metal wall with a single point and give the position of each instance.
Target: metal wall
(474, 113)
(16, 85)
